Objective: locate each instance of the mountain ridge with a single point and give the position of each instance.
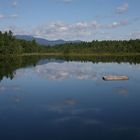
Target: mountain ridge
(43, 41)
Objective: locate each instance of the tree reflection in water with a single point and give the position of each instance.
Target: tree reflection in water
(8, 65)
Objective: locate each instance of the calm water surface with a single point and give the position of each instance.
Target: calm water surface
(59, 100)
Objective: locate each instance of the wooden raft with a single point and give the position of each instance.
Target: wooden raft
(114, 78)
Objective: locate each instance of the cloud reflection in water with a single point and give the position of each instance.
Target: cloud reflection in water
(122, 91)
(9, 87)
(69, 110)
(63, 71)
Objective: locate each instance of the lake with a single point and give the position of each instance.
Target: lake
(67, 99)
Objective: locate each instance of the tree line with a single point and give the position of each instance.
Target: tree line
(9, 65)
(10, 45)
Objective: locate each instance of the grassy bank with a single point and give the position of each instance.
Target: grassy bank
(79, 54)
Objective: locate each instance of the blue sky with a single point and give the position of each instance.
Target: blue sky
(72, 19)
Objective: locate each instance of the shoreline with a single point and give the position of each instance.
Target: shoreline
(74, 54)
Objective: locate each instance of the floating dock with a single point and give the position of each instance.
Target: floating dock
(115, 78)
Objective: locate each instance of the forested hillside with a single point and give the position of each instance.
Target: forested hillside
(10, 45)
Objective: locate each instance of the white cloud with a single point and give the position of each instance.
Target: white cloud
(17, 30)
(81, 25)
(118, 24)
(95, 24)
(75, 31)
(122, 9)
(14, 16)
(67, 1)
(14, 4)
(2, 16)
(63, 1)
(135, 35)
(66, 31)
(8, 16)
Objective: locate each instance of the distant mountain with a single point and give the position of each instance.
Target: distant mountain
(42, 41)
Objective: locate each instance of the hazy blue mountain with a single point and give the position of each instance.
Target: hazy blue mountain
(42, 41)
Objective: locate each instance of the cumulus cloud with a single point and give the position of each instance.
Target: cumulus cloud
(135, 35)
(68, 31)
(118, 24)
(122, 9)
(17, 30)
(58, 30)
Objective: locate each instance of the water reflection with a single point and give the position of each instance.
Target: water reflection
(70, 112)
(78, 70)
(82, 121)
(122, 91)
(17, 99)
(4, 88)
(69, 106)
(62, 107)
(8, 65)
(55, 99)
(66, 70)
